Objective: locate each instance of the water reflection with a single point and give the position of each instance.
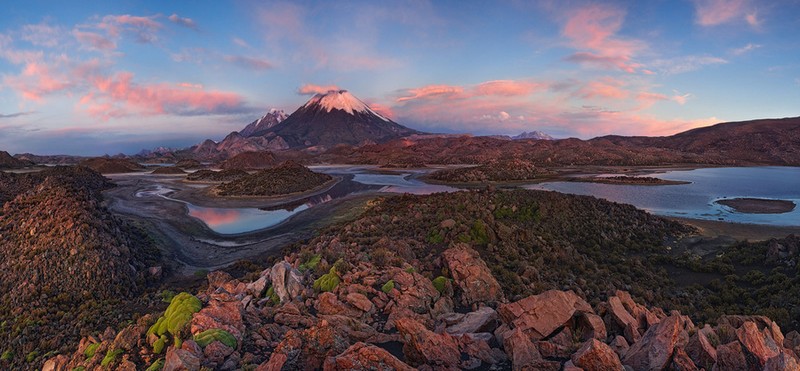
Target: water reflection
(354, 180)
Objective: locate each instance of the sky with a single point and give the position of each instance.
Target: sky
(121, 76)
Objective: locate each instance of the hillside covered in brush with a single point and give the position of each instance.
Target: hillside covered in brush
(286, 178)
(67, 266)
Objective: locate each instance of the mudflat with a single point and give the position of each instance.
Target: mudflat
(758, 205)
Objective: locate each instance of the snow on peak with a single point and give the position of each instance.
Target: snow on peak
(341, 100)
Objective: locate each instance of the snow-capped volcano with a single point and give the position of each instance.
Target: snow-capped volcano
(270, 119)
(337, 117)
(341, 100)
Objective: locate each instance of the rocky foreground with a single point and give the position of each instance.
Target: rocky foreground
(394, 318)
(473, 280)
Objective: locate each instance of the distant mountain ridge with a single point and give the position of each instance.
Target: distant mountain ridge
(533, 135)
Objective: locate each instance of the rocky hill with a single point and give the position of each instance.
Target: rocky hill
(67, 265)
(105, 165)
(206, 175)
(468, 280)
(9, 162)
(250, 160)
(286, 178)
(494, 171)
(168, 170)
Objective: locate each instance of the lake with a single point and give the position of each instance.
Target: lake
(696, 200)
(355, 180)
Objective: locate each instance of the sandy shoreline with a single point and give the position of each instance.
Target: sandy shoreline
(739, 231)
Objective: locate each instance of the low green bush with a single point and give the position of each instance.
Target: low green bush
(209, 336)
(388, 287)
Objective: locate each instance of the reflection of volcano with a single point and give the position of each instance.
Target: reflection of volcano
(346, 187)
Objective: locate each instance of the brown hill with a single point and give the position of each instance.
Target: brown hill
(168, 170)
(250, 160)
(287, 178)
(759, 142)
(495, 171)
(9, 162)
(206, 175)
(64, 263)
(104, 165)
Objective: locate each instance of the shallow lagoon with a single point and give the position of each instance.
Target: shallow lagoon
(696, 200)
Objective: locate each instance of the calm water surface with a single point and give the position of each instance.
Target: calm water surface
(696, 200)
(354, 180)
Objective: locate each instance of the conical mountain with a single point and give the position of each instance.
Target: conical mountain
(337, 117)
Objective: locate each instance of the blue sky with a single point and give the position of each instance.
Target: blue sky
(110, 77)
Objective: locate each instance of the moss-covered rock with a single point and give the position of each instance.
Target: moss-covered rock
(440, 283)
(157, 365)
(388, 287)
(327, 282)
(311, 264)
(91, 350)
(111, 357)
(209, 336)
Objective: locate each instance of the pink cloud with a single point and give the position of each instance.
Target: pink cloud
(309, 89)
(381, 109)
(118, 95)
(433, 91)
(607, 88)
(182, 21)
(508, 87)
(94, 40)
(716, 12)
(37, 80)
(595, 28)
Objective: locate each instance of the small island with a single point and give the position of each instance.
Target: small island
(211, 176)
(758, 205)
(287, 178)
(628, 180)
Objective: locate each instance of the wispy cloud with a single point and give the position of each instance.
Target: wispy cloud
(717, 12)
(310, 89)
(250, 63)
(42, 34)
(689, 63)
(16, 114)
(182, 21)
(745, 49)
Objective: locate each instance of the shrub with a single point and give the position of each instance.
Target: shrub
(209, 336)
(7, 356)
(380, 257)
(111, 357)
(177, 316)
(435, 237)
(91, 350)
(478, 233)
(411, 270)
(31, 356)
(273, 297)
(388, 287)
(157, 365)
(158, 346)
(327, 282)
(440, 283)
(311, 263)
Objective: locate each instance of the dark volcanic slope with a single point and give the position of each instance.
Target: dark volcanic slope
(323, 123)
(287, 178)
(250, 160)
(63, 260)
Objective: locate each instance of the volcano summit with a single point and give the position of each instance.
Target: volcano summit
(337, 117)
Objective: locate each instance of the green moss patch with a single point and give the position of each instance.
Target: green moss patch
(327, 282)
(388, 287)
(440, 283)
(209, 336)
(91, 350)
(111, 357)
